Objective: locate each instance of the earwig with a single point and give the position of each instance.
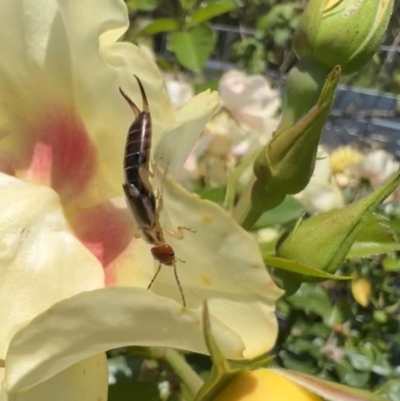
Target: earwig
(138, 190)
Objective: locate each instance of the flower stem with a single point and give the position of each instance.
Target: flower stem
(183, 370)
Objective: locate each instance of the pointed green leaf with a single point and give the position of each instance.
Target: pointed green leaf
(323, 241)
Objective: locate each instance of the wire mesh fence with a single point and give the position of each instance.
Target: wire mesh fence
(357, 114)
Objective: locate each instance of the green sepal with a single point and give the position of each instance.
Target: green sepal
(221, 373)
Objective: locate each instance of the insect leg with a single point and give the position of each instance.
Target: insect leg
(159, 192)
(144, 174)
(154, 277)
(179, 232)
(136, 232)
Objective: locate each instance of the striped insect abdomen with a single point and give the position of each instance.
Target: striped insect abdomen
(137, 151)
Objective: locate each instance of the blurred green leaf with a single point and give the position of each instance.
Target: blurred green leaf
(281, 36)
(297, 362)
(303, 346)
(348, 375)
(133, 391)
(216, 195)
(212, 84)
(279, 15)
(160, 25)
(141, 5)
(320, 330)
(187, 4)
(391, 264)
(211, 10)
(381, 364)
(250, 54)
(312, 299)
(390, 389)
(361, 360)
(193, 47)
(335, 317)
(289, 210)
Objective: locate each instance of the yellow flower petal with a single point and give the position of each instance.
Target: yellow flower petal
(223, 265)
(64, 56)
(96, 321)
(41, 261)
(177, 142)
(84, 381)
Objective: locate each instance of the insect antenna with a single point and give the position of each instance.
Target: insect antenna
(179, 285)
(176, 278)
(154, 277)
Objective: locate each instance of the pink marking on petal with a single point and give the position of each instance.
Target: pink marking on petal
(106, 231)
(62, 154)
(40, 167)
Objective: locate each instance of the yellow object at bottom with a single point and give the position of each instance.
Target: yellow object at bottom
(264, 385)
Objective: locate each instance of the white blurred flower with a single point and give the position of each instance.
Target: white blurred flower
(180, 90)
(377, 166)
(344, 160)
(213, 154)
(267, 235)
(321, 194)
(251, 100)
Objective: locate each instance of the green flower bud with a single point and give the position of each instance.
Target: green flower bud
(323, 241)
(286, 164)
(345, 32)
